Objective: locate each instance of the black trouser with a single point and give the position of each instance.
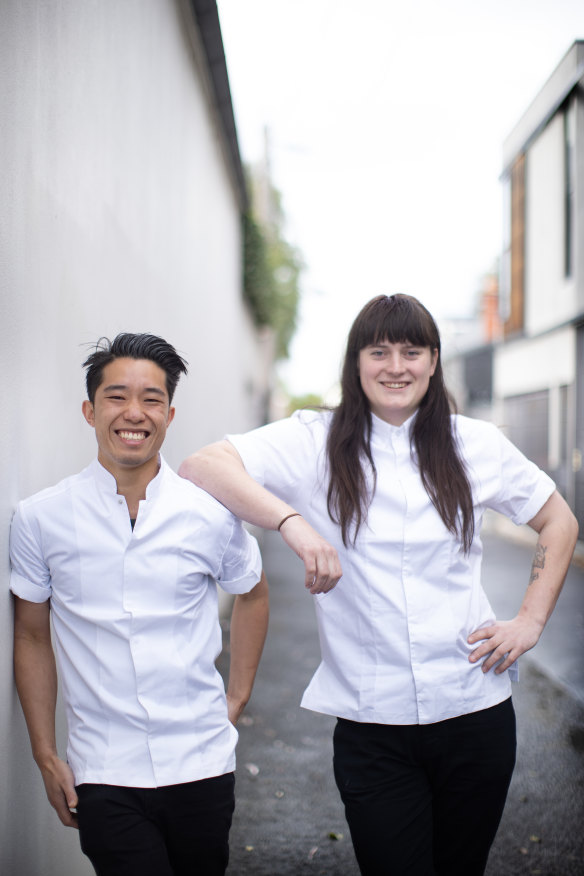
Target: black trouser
(425, 800)
(177, 830)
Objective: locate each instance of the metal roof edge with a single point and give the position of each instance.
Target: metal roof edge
(563, 80)
(206, 18)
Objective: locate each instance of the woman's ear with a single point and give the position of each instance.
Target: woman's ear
(434, 361)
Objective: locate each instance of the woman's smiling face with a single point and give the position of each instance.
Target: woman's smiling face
(395, 378)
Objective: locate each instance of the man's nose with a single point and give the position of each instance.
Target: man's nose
(134, 411)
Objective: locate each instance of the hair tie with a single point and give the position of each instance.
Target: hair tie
(288, 516)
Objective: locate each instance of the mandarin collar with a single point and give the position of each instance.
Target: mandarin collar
(107, 482)
(382, 432)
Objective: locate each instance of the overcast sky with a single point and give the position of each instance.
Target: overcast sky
(386, 123)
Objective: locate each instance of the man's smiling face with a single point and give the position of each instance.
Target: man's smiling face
(130, 414)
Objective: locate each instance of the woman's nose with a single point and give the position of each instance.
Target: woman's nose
(395, 363)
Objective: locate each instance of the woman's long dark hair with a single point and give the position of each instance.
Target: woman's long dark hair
(396, 319)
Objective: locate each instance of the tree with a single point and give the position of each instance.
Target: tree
(271, 269)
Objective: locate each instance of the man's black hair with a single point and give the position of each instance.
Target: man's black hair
(133, 346)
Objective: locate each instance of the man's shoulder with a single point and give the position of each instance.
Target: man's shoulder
(56, 492)
(193, 498)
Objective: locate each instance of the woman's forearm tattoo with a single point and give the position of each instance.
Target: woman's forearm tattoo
(538, 561)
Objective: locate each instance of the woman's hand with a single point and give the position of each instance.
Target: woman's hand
(504, 641)
(218, 469)
(507, 640)
(321, 563)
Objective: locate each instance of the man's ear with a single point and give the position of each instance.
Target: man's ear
(170, 417)
(88, 412)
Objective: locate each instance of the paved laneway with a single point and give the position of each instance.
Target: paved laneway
(289, 820)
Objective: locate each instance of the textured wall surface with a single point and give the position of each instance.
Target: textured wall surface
(118, 214)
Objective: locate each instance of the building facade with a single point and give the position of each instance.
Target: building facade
(538, 377)
(526, 373)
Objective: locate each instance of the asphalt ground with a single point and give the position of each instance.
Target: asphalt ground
(289, 819)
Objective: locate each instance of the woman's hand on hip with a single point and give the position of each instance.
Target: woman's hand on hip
(504, 642)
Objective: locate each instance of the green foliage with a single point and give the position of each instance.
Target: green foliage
(271, 272)
(257, 278)
(285, 266)
(309, 400)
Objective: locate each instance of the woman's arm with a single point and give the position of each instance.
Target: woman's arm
(218, 469)
(558, 532)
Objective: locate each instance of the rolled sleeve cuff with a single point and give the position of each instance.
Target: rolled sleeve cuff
(252, 574)
(25, 589)
(536, 501)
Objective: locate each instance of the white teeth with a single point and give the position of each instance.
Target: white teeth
(395, 385)
(132, 436)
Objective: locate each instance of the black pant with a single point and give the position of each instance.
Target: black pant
(425, 800)
(178, 830)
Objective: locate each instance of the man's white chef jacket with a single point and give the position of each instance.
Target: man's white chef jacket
(135, 621)
(393, 632)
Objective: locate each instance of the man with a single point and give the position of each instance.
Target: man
(125, 556)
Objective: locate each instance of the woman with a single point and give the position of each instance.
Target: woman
(414, 665)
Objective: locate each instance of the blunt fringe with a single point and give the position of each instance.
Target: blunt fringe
(396, 319)
(133, 346)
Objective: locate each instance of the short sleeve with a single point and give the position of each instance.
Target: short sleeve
(241, 564)
(30, 577)
(284, 456)
(503, 478)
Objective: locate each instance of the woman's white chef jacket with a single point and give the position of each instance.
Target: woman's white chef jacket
(393, 632)
(135, 621)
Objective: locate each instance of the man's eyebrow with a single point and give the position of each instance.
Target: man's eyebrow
(113, 387)
(156, 390)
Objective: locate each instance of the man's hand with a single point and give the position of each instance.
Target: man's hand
(234, 709)
(321, 562)
(60, 788)
(504, 641)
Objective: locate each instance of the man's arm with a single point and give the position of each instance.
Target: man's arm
(558, 532)
(36, 681)
(218, 469)
(249, 625)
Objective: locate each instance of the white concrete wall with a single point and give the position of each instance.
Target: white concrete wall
(118, 214)
(550, 296)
